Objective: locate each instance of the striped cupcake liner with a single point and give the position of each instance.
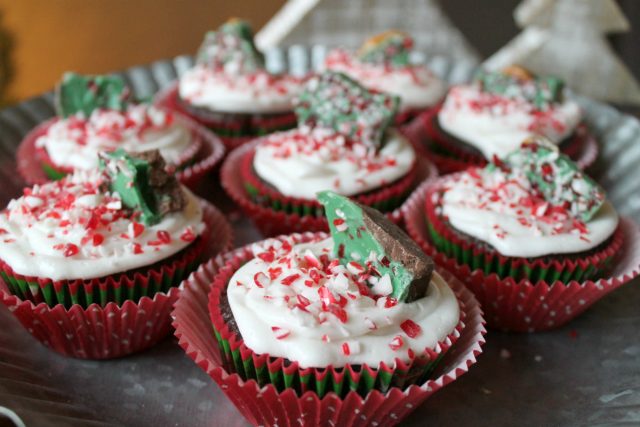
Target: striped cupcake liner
(479, 256)
(118, 288)
(234, 129)
(524, 305)
(450, 157)
(292, 401)
(272, 219)
(112, 330)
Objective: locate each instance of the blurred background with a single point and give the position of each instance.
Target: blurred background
(40, 39)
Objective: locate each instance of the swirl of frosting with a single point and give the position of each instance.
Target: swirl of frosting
(504, 211)
(258, 92)
(75, 142)
(70, 229)
(416, 85)
(303, 161)
(298, 303)
(495, 124)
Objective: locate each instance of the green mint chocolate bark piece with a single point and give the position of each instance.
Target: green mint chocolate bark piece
(365, 236)
(519, 83)
(390, 48)
(557, 178)
(231, 48)
(84, 94)
(143, 183)
(333, 100)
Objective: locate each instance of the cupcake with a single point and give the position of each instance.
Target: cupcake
(230, 91)
(490, 116)
(360, 316)
(116, 237)
(95, 114)
(532, 219)
(383, 63)
(344, 142)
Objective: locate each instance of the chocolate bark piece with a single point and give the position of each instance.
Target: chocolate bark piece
(516, 82)
(231, 48)
(366, 237)
(390, 48)
(143, 183)
(84, 94)
(556, 177)
(335, 101)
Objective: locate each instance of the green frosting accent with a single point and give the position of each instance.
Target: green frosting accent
(333, 100)
(129, 177)
(389, 48)
(558, 178)
(232, 46)
(357, 242)
(77, 93)
(542, 91)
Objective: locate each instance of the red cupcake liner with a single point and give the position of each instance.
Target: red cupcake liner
(479, 256)
(525, 306)
(267, 406)
(228, 126)
(449, 157)
(384, 199)
(210, 150)
(272, 222)
(242, 360)
(114, 330)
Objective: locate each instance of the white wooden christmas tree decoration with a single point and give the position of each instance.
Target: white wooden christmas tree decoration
(348, 23)
(566, 38)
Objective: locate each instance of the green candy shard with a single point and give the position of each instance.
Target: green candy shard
(365, 236)
(388, 48)
(335, 101)
(541, 91)
(557, 177)
(231, 48)
(84, 94)
(143, 183)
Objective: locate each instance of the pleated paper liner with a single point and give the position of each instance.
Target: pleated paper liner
(35, 166)
(112, 330)
(283, 374)
(234, 129)
(523, 305)
(385, 199)
(449, 156)
(475, 254)
(265, 405)
(273, 222)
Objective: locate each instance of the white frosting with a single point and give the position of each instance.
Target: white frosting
(315, 337)
(38, 231)
(498, 211)
(497, 125)
(416, 85)
(75, 142)
(303, 161)
(260, 92)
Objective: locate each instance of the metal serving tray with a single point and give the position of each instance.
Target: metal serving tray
(586, 373)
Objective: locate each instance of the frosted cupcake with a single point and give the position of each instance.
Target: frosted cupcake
(366, 300)
(490, 116)
(230, 91)
(96, 114)
(90, 264)
(535, 215)
(532, 236)
(383, 63)
(344, 142)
